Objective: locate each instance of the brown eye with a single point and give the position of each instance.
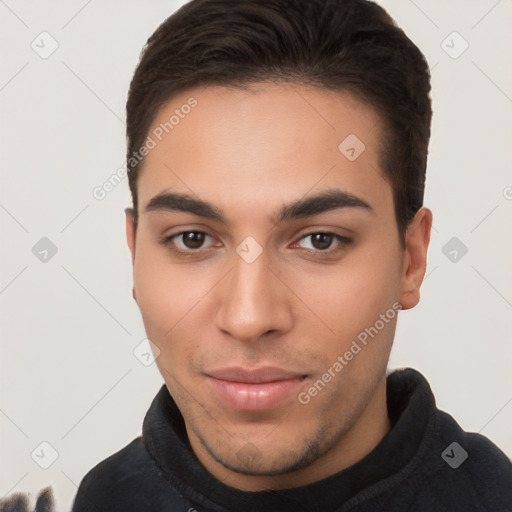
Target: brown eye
(193, 239)
(186, 243)
(321, 241)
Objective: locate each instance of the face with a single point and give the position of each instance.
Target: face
(274, 322)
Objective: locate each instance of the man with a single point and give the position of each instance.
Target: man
(277, 153)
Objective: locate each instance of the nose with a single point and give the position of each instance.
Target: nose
(253, 300)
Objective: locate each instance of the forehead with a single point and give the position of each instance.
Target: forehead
(271, 141)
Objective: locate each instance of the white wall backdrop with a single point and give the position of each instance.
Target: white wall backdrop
(69, 325)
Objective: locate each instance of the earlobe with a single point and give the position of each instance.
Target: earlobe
(415, 257)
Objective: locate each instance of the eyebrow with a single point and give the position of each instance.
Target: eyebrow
(331, 199)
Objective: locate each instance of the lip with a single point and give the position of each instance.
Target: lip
(254, 390)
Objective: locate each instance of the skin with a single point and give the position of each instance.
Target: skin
(249, 152)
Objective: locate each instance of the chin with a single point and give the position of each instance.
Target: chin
(279, 457)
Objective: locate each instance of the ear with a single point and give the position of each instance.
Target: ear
(414, 260)
(130, 231)
(130, 237)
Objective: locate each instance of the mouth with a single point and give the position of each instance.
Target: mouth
(254, 390)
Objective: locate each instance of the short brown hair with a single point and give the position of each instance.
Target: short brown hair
(341, 45)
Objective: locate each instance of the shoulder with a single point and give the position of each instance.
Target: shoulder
(453, 469)
(468, 468)
(126, 480)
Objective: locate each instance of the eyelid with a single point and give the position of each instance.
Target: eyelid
(167, 240)
(343, 242)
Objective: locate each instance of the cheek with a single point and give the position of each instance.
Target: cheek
(170, 299)
(163, 291)
(351, 296)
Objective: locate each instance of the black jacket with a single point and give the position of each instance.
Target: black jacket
(425, 463)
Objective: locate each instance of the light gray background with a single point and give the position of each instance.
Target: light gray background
(69, 326)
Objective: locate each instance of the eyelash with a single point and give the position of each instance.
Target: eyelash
(167, 241)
